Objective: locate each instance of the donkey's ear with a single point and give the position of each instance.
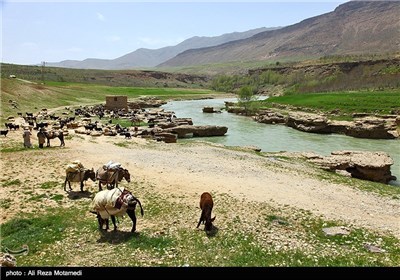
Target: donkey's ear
(212, 219)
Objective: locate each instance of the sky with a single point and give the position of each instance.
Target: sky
(33, 32)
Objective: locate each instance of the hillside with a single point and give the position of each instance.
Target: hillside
(143, 57)
(132, 78)
(356, 27)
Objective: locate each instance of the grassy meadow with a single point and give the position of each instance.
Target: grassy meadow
(19, 96)
(344, 102)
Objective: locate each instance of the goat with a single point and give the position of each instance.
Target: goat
(12, 126)
(127, 135)
(206, 206)
(115, 202)
(4, 132)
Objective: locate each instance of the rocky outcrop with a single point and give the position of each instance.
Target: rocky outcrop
(270, 117)
(166, 137)
(308, 122)
(372, 166)
(197, 130)
(365, 126)
(208, 109)
(373, 128)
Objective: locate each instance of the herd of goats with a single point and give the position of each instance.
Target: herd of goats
(145, 123)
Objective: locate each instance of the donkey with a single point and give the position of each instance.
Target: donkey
(54, 134)
(112, 203)
(112, 177)
(206, 206)
(79, 176)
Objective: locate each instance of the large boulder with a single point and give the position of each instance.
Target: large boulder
(308, 122)
(198, 130)
(372, 166)
(269, 117)
(209, 109)
(166, 137)
(373, 128)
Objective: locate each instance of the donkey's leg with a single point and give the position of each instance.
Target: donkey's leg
(132, 215)
(114, 222)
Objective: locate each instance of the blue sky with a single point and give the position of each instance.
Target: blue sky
(52, 31)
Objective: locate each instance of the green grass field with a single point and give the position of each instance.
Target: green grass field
(380, 102)
(18, 96)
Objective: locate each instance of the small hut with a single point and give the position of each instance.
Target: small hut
(116, 102)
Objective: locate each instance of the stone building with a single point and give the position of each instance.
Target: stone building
(115, 102)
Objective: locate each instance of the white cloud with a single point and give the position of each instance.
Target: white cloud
(100, 17)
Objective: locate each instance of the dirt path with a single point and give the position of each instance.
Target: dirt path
(188, 170)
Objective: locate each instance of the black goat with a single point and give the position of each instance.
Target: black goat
(4, 132)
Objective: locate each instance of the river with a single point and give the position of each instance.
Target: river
(244, 131)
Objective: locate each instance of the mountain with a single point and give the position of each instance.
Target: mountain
(149, 58)
(355, 27)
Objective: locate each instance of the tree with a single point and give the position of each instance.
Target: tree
(246, 98)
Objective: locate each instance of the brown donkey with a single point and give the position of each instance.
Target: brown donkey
(206, 206)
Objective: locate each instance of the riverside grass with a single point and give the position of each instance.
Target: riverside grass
(380, 102)
(56, 235)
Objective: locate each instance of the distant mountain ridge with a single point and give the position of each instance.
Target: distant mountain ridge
(152, 57)
(355, 27)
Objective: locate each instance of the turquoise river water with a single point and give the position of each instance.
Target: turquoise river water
(244, 131)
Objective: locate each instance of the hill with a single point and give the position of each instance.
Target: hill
(143, 57)
(131, 78)
(353, 28)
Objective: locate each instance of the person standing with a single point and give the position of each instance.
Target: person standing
(27, 138)
(41, 137)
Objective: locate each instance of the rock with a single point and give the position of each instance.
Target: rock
(373, 248)
(182, 121)
(270, 117)
(365, 165)
(167, 137)
(308, 122)
(198, 130)
(7, 260)
(209, 109)
(373, 128)
(333, 231)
